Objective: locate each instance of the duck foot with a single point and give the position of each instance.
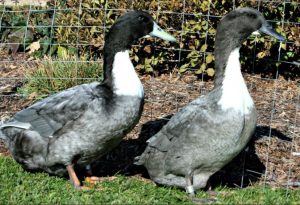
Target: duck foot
(94, 179)
(190, 190)
(74, 179)
(189, 186)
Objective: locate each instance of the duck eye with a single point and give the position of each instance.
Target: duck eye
(141, 18)
(251, 15)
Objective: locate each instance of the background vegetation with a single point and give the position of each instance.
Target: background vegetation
(78, 27)
(51, 77)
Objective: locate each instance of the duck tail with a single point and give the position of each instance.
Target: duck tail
(2, 135)
(141, 160)
(137, 161)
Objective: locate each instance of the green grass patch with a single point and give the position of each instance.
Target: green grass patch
(20, 187)
(53, 76)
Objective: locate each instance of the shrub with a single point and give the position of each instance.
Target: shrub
(83, 26)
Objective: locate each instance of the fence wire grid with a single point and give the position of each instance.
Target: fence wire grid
(271, 158)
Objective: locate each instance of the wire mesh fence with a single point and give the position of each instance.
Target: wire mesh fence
(272, 157)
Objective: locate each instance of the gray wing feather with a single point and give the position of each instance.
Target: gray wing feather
(51, 114)
(175, 128)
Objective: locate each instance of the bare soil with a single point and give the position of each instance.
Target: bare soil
(268, 158)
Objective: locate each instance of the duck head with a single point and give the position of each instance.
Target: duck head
(132, 26)
(126, 30)
(232, 30)
(242, 22)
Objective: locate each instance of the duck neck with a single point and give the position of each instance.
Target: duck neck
(234, 92)
(125, 80)
(119, 74)
(224, 46)
(113, 45)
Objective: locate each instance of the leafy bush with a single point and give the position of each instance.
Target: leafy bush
(81, 28)
(19, 28)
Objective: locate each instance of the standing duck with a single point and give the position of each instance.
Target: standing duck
(79, 125)
(210, 131)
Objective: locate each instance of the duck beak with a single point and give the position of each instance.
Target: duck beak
(267, 29)
(160, 33)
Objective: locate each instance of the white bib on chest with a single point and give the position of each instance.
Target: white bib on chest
(125, 80)
(234, 90)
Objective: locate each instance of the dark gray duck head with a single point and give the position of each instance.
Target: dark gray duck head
(241, 22)
(134, 25)
(233, 30)
(128, 29)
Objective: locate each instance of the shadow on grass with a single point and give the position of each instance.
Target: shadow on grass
(242, 171)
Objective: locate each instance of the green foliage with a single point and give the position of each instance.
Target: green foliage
(53, 76)
(19, 28)
(21, 187)
(83, 26)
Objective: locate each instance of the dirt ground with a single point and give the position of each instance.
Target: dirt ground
(268, 158)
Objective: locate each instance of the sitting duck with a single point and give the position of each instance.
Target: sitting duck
(79, 125)
(210, 131)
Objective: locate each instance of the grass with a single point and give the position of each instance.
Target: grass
(20, 187)
(53, 76)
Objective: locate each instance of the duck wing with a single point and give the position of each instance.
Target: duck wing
(171, 135)
(177, 127)
(51, 114)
